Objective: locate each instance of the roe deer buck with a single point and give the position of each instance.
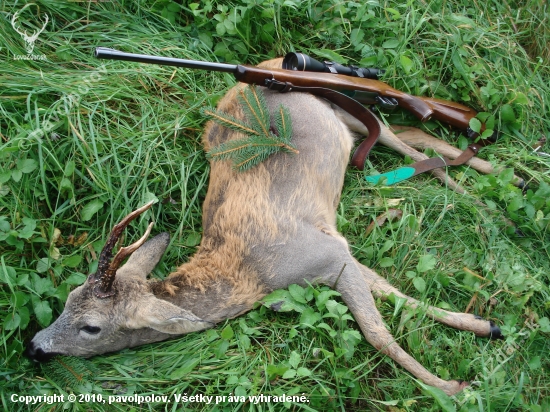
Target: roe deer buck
(264, 229)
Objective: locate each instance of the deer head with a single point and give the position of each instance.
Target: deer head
(29, 40)
(115, 308)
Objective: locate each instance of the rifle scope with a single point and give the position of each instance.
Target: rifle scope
(303, 62)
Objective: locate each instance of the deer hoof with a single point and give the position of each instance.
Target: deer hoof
(495, 332)
(455, 387)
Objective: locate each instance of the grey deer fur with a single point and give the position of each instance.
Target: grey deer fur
(264, 229)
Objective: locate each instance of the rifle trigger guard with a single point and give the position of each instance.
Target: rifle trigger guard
(281, 87)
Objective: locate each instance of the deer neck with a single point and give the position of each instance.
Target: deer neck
(209, 291)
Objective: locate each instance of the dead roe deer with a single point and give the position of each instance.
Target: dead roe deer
(264, 229)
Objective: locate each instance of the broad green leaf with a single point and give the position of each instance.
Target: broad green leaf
(232, 380)
(16, 175)
(310, 317)
(244, 342)
(419, 284)
(281, 301)
(69, 168)
(406, 63)
(220, 348)
(323, 297)
(507, 114)
(26, 165)
(298, 293)
(276, 370)
(41, 285)
(390, 44)
(43, 265)
(386, 262)
(544, 324)
(42, 311)
(356, 36)
(72, 261)
(25, 317)
(12, 321)
(4, 224)
(28, 230)
(289, 374)
(534, 363)
(65, 185)
(91, 209)
(206, 39)
(475, 125)
(506, 176)
(240, 391)
(5, 175)
(515, 204)
(336, 308)
(426, 262)
(294, 359)
(76, 279)
(521, 98)
(303, 372)
(19, 299)
(227, 333)
(193, 239)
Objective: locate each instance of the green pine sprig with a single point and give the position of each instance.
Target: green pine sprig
(69, 371)
(260, 141)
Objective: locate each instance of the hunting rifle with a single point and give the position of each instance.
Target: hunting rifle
(345, 91)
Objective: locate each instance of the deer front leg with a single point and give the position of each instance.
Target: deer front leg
(380, 288)
(355, 292)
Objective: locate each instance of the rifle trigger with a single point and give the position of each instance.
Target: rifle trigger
(388, 103)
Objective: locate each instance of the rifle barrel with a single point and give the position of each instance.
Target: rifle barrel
(112, 54)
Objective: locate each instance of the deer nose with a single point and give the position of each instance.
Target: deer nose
(36, 354)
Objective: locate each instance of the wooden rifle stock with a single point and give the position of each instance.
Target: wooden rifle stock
(337, 82)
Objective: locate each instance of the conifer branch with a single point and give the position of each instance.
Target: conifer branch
(69, 371)
(258, 111)
(260, 142)
(228, 121)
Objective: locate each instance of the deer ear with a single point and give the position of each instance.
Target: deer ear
(143, 261)
(166, 317)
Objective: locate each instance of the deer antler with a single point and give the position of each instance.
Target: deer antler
(29, 40)
(106, 269)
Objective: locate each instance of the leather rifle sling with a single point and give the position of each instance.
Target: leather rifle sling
(348, 104)
(365, 116)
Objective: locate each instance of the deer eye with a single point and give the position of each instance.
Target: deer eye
(92, 330)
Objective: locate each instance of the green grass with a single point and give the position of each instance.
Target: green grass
(85, 141)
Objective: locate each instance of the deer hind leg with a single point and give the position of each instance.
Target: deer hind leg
(318, 257)
(380, 288)
(355, 291)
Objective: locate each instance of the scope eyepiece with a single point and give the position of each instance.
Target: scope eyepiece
(303, 62)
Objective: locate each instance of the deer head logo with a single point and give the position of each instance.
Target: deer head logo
(29, 40)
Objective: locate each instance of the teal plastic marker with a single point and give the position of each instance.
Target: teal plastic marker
(393, 177)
